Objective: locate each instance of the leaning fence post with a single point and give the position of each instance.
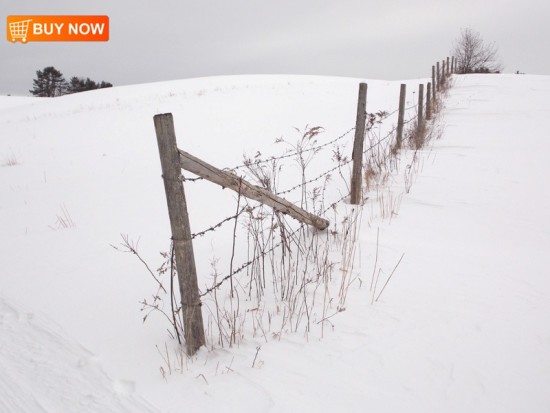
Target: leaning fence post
(401, 116)
(357, 155)
(429, 101)
(181, 233)
(229, 180)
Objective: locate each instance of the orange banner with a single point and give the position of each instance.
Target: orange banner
(58, 28)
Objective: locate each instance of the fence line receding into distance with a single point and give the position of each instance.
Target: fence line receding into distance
(173, 160)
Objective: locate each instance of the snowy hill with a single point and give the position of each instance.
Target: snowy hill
(461, 326)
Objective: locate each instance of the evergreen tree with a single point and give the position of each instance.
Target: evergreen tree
(79, 84)
(49, 83)
(104, 85)
(76, 85)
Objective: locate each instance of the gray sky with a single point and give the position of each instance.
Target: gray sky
(170, 39)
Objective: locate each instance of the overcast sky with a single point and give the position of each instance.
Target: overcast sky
(174, 39)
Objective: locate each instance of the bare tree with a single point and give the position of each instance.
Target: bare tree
(473, 55)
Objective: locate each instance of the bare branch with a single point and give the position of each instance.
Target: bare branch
(473, 55)
(131, 247)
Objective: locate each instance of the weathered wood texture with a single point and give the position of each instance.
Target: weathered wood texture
(429, 101)
(357, 155)
(434, 85)
(229, 180)
(181, 233)
(420, 104)
(401, 116)
(438, 75)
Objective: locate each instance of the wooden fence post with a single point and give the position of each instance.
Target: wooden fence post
(443, 74)
(434, 85)
(419, 139)
(420, 105)
(448, 67)
(401, 116)
(452, 64)
(181, 233)
(429, 102)
(438, 77)
(357, 155)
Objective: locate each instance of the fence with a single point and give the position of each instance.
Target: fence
(173, 160)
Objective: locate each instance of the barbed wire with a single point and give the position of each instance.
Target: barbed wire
(385, 116)
(388, 114)
(324, 174)
(247, 264)
(294, 153)
(382, 116)
(291, 154)
(312, 180)
(198, 178)
(388, 135)
(219, 224)
(411, 107)
(332, 205)
(264, 253)
(272, 158)
(320, 176)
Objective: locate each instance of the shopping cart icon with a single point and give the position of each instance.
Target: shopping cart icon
(18, 30)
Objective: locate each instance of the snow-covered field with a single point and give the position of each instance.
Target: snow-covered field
(462, 326)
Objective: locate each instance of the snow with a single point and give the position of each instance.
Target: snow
(43, 370)
(461, 326)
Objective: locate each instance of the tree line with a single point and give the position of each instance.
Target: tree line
(50, 82)
(472, 53)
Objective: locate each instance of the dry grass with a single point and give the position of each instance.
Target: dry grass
(64, 220)
(10, 160)
(296, 279)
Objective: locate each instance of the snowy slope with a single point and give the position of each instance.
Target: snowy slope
(43, 370)
(462, 325)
